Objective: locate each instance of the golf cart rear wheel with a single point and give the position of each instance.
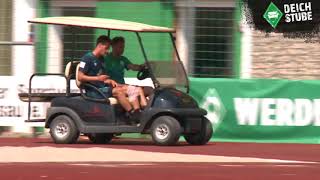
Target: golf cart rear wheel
(100, 138)
(165, 131)
(63, 130)
(203, 136)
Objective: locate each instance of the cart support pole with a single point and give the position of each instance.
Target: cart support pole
(154, 80)
(174, 46)
(178, 56)
(73, 34)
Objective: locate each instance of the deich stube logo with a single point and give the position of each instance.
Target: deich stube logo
(294, 12)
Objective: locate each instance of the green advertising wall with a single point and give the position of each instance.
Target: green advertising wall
(158, 46)
(261, 110)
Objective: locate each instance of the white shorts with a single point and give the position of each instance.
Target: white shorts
(133, 92)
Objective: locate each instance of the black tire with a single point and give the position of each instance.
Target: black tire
(203, 136)
(172, 130)
(100, 138)
(63, 130)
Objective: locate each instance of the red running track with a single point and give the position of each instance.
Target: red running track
(187, 171)
(167, 171)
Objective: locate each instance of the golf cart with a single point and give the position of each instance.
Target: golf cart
(170, 112)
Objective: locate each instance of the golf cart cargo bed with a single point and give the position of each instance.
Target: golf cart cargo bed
(43, 97)
(37, 120)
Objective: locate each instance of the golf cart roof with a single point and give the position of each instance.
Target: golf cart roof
(100, 23)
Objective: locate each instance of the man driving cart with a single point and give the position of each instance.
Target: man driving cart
(116, 64)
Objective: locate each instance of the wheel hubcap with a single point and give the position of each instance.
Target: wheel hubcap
(61, 130)
(162, 131)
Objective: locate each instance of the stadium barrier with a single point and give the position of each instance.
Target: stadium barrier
(261, 110)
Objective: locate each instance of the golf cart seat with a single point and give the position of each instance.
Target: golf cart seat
(70, 70)
(80, 85)
(47, 97)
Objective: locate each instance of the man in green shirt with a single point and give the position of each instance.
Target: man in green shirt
(116, 64)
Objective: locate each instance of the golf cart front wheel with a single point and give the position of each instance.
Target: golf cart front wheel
(203, 136)
(100, 138)
(63, 130)
(165, 131)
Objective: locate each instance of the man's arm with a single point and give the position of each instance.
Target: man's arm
(103, 78)
(85, 78)
(84, 67)
(130, 66)
(135, 67)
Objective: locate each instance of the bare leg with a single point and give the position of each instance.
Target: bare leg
(143, 100)
(122, 98)
(135, 104)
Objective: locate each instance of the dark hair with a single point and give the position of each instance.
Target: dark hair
(117, 39)
(103, 40)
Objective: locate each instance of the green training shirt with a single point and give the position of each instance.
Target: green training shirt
(115, 67)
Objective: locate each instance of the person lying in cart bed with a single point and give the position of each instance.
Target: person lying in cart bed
(116, 63)
(91, 70)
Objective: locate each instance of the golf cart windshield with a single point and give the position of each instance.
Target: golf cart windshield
(169, 74)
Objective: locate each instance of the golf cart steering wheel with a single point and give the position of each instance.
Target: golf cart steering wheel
(143, 73)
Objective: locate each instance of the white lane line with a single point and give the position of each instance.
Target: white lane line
(291, 165)
(231, 165)
(96, 154)
(135, 164)
(109, 165)
(97, 165)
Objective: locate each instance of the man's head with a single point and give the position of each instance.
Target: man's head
(118, 44)
(102, 45)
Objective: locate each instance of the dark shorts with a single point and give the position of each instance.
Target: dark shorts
(107, 91)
